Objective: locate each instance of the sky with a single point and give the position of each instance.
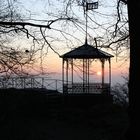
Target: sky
(119, 68)
(73, 34)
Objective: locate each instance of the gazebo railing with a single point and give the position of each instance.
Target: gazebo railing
(93, 88)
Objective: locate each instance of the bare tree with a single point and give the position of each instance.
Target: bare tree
(12, 59)
(13, 24)
(116, 35)
(134, 30)
(112, 33)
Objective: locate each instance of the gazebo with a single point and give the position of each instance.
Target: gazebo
(85, 54)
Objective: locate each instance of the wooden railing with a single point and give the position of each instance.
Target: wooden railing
(53, 84)
(93, 88)
(31, 82)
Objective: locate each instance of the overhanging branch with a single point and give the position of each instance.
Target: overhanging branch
(119, 40)
(23, 24)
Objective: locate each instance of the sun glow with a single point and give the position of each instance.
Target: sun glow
(99, 73)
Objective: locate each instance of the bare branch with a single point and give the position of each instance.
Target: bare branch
(23, 24)
(48, 42)
(118, 40)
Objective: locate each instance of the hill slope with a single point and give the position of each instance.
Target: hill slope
(33, 115)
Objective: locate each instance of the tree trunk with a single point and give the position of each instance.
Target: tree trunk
(134, 71)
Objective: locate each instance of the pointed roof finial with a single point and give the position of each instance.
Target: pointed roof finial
(86, 41)
(95, 43)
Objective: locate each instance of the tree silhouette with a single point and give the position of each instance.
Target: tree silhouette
(13, 59)
(16, 25)
(13, 24)
(134, 25)
(115, 35)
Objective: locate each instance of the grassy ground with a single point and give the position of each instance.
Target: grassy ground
(34, 116)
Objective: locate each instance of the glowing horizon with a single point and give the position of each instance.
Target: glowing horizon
(118, 68)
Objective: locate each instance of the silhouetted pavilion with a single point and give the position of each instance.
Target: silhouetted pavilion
(85, 53)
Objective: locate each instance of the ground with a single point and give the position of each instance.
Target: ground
(33, 116)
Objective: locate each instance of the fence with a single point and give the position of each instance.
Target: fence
(94, 88)
(31, 82)
(52, 84)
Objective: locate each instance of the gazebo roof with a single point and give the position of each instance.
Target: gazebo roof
(86, 51)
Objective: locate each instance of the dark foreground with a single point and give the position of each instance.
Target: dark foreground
(31, 115)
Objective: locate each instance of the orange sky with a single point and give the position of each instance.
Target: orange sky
(119, 68)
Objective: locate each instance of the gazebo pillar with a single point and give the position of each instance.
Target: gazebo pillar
(109, 75)
(65, 74)
(71, 71)
(85, 75)
(103, 74)
(72, 74)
